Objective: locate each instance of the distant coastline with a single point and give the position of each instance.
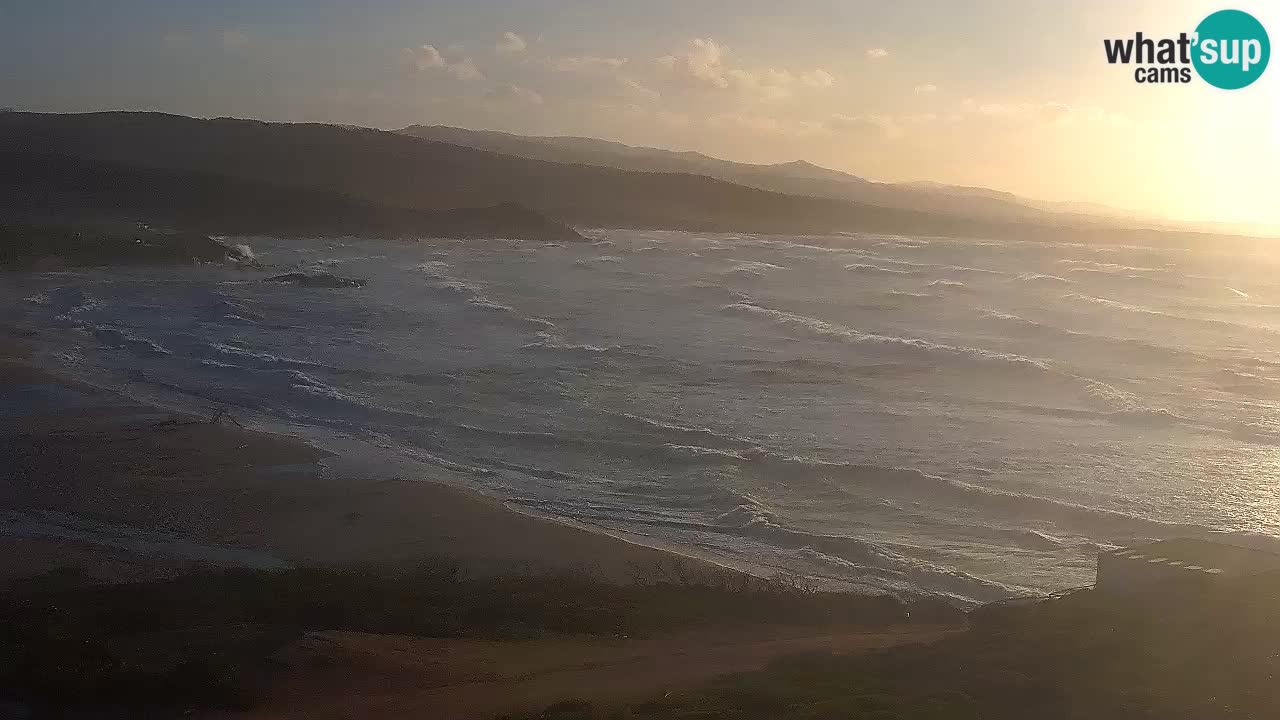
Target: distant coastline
(245, 176)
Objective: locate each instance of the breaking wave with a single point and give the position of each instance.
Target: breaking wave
(911, 348)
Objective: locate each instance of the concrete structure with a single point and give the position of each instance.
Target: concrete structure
(1184, 559)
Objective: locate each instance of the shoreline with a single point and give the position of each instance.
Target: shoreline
(118, 490)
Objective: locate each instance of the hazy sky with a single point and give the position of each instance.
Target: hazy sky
(1009, 95)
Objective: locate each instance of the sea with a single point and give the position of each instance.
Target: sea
(962, 417)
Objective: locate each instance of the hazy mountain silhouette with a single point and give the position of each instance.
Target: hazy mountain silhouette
(798, 177)
(375, 174)
(42, 188)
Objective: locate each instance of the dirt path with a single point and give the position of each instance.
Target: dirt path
(338, 675)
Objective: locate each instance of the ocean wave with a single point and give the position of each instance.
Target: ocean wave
(668, 429)
(602, 259)
(1124, 407)
(1043, 279)
(859, 557)
(1258, 433)
(1114, 268)
(1247, 383)
(76, 302)
(244, 252)
(432, 267)
(1127, 348)
(551, 342)
(259, 355)
(1024, 326)
(915, 296)
(1138, 309)
(910, 347)
(301, 381)
(949, 285)
(751, 269)
(877, 270)
(716, 291)
(924, 268)
(908, 482)
(1111, 396)
(474, 295)
(1148, 417)
(123, 337)
(1127, 278)
(905, 576)
(810, 371)
(486, 304)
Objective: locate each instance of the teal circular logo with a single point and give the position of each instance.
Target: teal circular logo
(1232, 49)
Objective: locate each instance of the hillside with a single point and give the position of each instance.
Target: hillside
(44, 247)
(796, 178)
(391, 170)
(56, 188)
(396, 170)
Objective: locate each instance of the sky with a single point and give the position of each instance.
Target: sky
(1009, 95)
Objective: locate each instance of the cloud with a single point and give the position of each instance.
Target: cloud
(927, 89)
(424, 57)
(877, 53)
(818, 78)
(583, 64)
(704, 63)
(882, 126)
(769, 85)
(465, 70)
(427, 57)
(510, 44)
(638, 90)
(701, 61)
(514, 93)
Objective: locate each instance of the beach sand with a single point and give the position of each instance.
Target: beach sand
(119, 491)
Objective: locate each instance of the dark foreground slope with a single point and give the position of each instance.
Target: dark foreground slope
(207, 639)
(391, 169)
(36, 187)
(1175, 653)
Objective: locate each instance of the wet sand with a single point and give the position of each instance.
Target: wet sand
(117, 491)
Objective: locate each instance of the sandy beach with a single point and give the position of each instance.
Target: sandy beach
(121, 491)
(114, 491)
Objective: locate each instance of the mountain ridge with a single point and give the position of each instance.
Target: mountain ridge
(394, 170)
(795, 177)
